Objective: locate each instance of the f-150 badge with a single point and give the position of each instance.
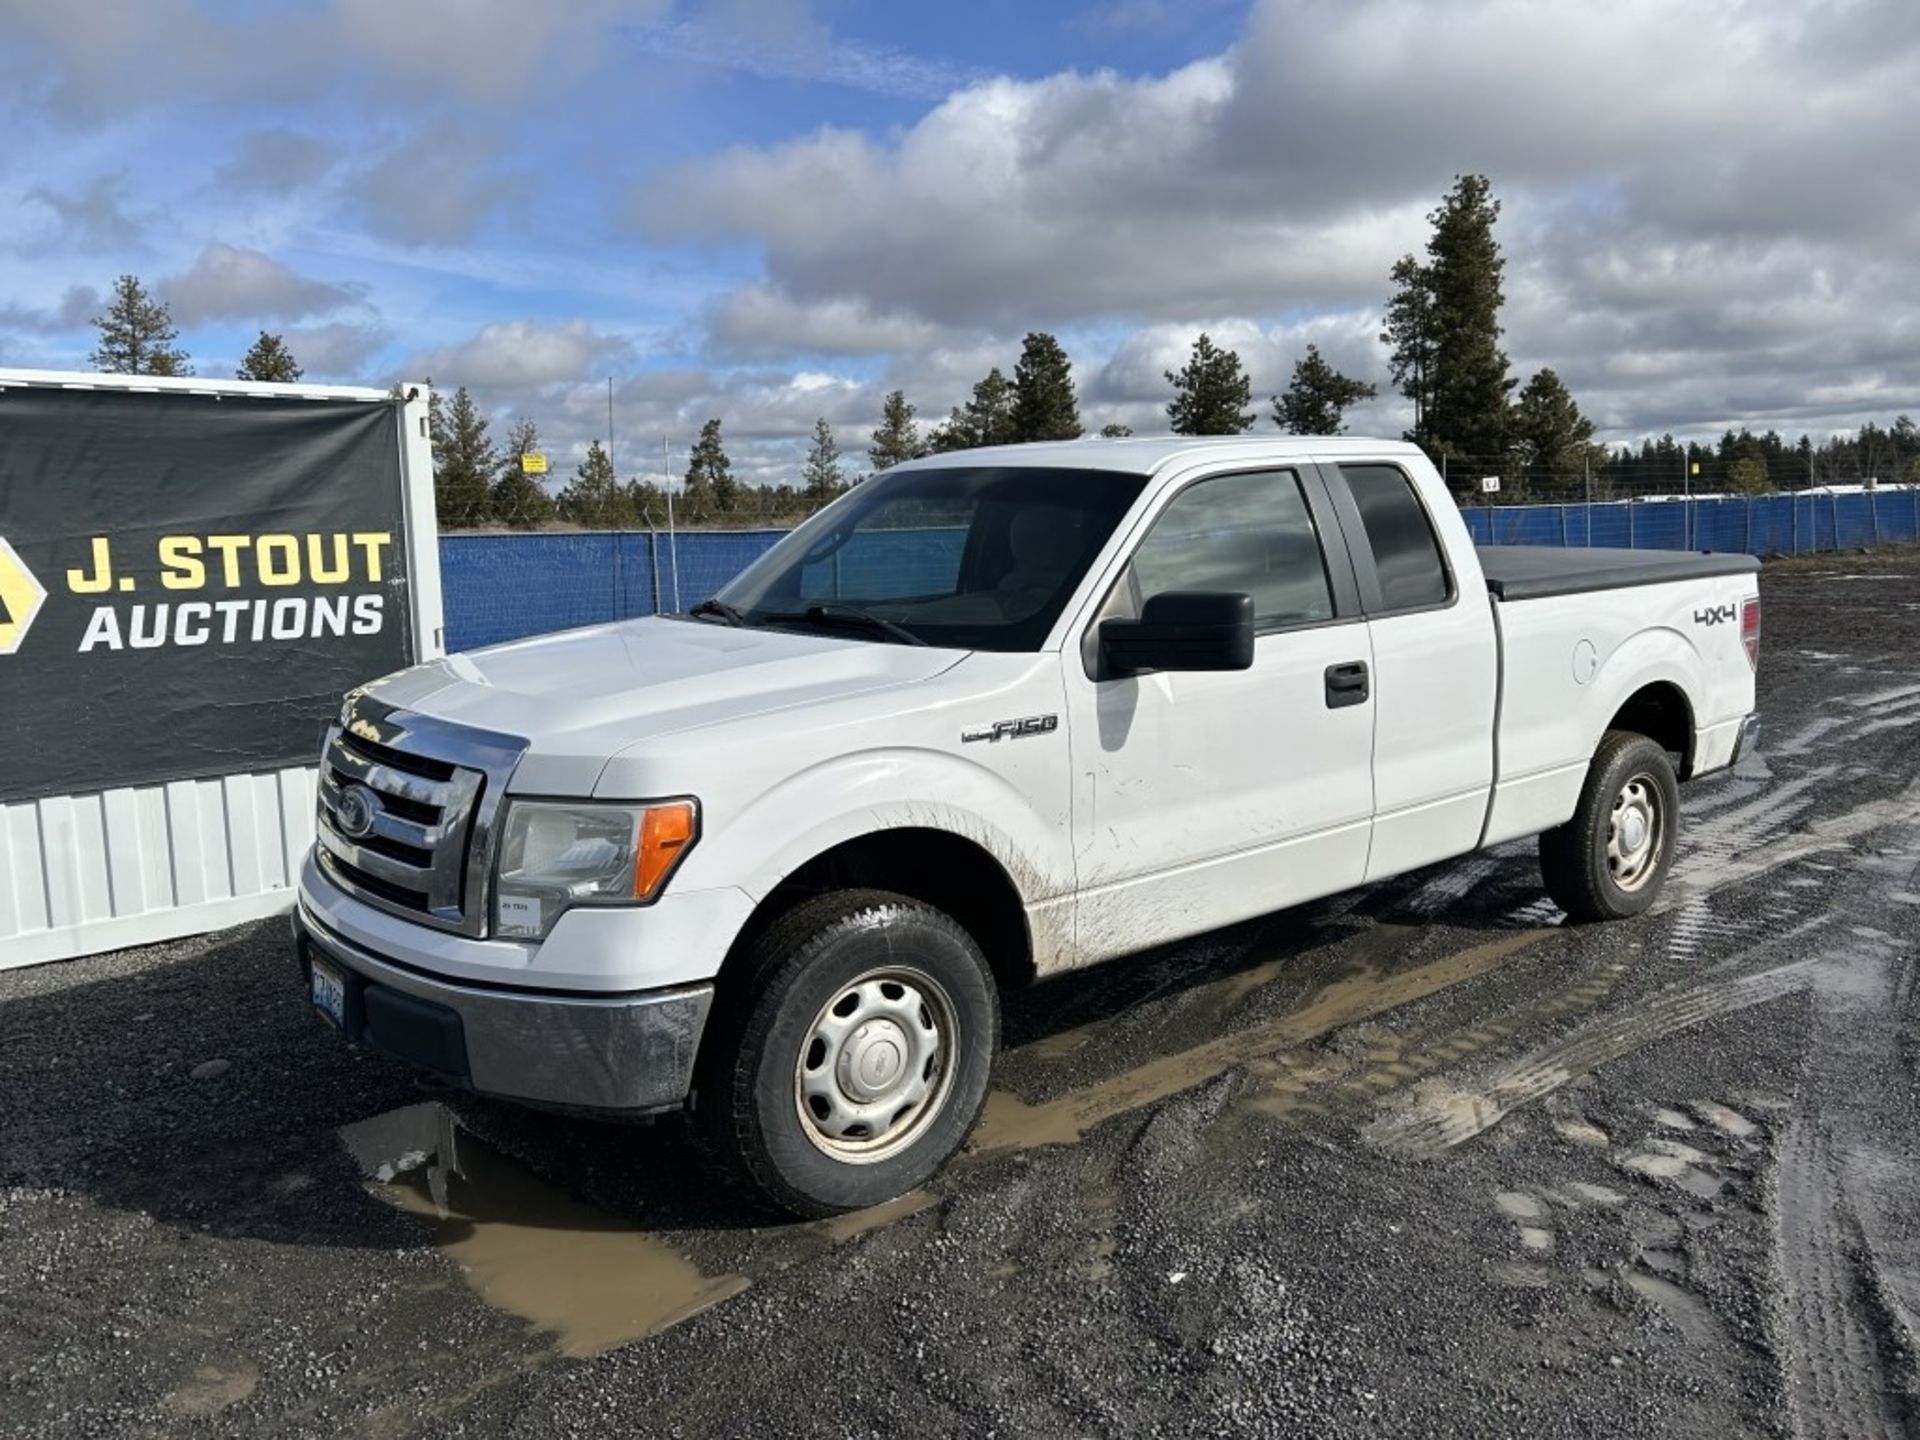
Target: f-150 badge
(1012, 729)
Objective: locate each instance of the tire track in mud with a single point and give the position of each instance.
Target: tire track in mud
(1846, 1343)
(1721, 839)
(1442, 1114)
(1712, 869)
(1834, 1382)
(1012, 1123)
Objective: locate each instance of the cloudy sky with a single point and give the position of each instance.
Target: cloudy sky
(772, 210)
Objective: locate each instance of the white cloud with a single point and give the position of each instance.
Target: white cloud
(229, 283)
(757, 322)
(338, 350)
(783, 40)
(503, 50)
(520, 355)
(275, 161)
(437, 187)
(94, 218)
(98, 58)
(1712, 211)
(1732, 183)
(76, 309)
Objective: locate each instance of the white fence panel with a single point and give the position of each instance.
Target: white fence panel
(85, 873)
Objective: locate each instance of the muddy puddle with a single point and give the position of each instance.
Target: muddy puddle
(526, 1245)
(593, 1279)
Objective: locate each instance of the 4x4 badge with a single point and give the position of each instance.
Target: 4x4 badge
(1716, 615)
(21, 597)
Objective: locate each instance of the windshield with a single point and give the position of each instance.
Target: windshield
(978, 558)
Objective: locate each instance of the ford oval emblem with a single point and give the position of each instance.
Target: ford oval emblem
(354, 816)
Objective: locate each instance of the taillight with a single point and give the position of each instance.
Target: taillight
(1750, 629)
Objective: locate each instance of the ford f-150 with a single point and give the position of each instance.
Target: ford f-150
(989, 718)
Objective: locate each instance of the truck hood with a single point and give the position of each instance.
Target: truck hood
(580, 696)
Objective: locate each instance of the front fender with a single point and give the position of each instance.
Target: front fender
(827, 804)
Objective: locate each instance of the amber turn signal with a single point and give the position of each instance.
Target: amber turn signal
(666, 834)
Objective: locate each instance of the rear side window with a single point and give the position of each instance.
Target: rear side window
(1406, 553)
(1242, 533)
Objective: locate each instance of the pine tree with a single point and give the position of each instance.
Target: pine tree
(1318, 397)
(710, 489)
(1552, 439)
(824, 478)
(464, 464)
(270, 360)
(1747, 470)
(519, 499)
(986, 418)
(594, 499)
(1115, 431)
(898, 438)
(136, 334)
(1468, 406)
(1409, 331)
(1044, 407)
(646, 502)
(1210, 392)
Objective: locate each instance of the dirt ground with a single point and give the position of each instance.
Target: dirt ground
(1416, 1161)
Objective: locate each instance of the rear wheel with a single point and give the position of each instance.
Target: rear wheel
(856, 1057)
(1611, 859)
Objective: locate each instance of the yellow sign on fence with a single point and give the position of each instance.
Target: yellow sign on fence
(533, 463)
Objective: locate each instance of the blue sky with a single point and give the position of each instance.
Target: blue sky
(769, 210)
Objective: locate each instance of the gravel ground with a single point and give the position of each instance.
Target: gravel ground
(1416, 1161)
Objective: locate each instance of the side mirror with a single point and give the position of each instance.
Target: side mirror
(1181, 630)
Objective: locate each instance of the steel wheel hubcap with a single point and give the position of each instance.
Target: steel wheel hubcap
(1634, 833)
(875, 1067)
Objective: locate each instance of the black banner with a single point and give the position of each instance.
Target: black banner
(188, 583)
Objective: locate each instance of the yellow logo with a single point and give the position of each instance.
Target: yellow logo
(21, 597)
(533, 463)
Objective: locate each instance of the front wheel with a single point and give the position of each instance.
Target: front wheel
(1610, 860)
(856, 1056)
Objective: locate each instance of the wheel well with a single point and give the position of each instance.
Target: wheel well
(945, 870)
(1661, 713)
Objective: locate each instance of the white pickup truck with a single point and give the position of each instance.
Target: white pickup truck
(989, 718)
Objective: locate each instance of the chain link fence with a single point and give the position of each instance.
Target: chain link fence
(1671, 473)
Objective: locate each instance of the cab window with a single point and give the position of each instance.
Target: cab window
(1406, 553)
(1250, 534)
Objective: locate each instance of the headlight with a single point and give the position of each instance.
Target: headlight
(555, 855)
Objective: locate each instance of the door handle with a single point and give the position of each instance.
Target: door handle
(1347, 684)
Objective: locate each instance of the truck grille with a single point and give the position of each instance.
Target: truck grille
(406, 812)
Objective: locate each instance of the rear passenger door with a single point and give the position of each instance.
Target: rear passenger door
(1435, 667)
(1202, 798)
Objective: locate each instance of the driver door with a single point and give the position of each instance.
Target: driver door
(1204, 798)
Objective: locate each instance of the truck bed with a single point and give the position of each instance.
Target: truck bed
(1534, 572)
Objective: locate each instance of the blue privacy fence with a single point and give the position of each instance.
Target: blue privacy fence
(501, 587)
(1756, 525)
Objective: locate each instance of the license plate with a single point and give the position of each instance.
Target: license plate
(329, 992)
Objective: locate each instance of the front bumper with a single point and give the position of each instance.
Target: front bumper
(631, 1053)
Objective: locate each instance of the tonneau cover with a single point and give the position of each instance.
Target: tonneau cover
(1533, 572)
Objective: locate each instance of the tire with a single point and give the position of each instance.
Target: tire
(793, 1074)
(1611, 859)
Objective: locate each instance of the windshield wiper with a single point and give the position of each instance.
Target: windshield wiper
(720, 608)
(842, 615)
